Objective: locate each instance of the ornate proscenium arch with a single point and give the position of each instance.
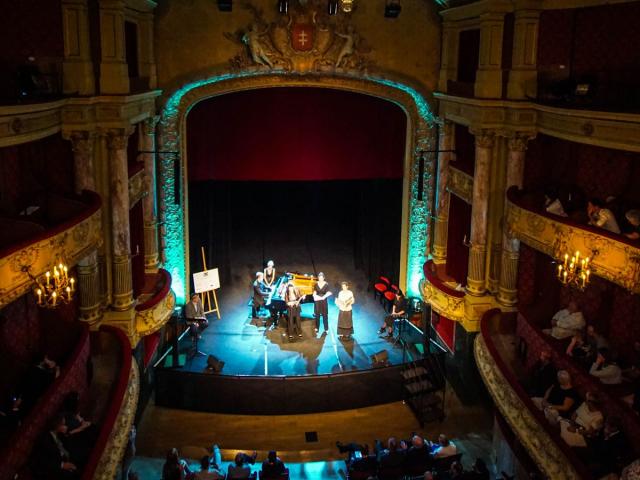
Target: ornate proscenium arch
(416, 214)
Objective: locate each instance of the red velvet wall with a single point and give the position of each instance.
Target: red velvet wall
(459, 227)
(465, 156)
(136, 227)
(295, 134)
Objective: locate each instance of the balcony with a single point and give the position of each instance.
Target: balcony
(496, 360)
(63, 229)
(614, 257)
(158, 305)
(443, 298)
(29, 122)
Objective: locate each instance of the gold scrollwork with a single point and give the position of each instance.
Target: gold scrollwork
(151, 320)
(460, 184)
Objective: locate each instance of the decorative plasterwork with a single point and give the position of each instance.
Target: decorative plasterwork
(69, 246)
(613, 260)
(603, 129)
(416, 214)
(151, 320)
(136, 187)
(443, 303)
(542, 449)
(26, 123)
(111, 461)
(460, 184)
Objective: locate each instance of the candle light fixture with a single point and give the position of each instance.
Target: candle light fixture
(574, 271)
(54, 288)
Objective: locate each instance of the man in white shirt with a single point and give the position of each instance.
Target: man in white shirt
(444, 448)
(566, 322)
(604, 369)
(601, 217)
(586, 421)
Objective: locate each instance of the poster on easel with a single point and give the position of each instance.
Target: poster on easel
(206, 281)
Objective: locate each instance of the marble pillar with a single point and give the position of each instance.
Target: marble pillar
(484, 143)
(89, 299)
(122, 298)
(445, 145)
(507, 289)
(147, 138)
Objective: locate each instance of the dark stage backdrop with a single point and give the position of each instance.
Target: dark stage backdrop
(277, 134)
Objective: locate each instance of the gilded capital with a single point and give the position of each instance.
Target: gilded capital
(117, 138)
(485, 138)
(518, 141)
(82, 142)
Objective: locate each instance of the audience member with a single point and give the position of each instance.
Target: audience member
(272, 466)
(595, 340)
(444, 447)
(390, 457)
(587, 421)
(38, 379)
(566, 322)
(50, 458)
(456, 472)
(601, 217)
(418, 454)
(580, 350)
(633, 218)
(542, 375)
(208, 471)
(479, 471)
(241, 467)
(631, 471)
(174, 467)
(81, 434)
(605, 369)
(609, 453)
(10, 413)
(560, 400)
(552, 203)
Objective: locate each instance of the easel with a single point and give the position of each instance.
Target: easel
(206, 296)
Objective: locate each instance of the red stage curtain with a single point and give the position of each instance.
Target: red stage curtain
(295, 134)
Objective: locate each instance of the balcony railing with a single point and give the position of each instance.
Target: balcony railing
(552, 455)
(69, 240)
(614, 257)
(158, 308)
(445, 300)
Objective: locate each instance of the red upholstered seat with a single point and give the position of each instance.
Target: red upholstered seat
(385, 280)
(380, 287)
(389, 295)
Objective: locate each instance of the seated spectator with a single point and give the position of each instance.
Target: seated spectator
(601, 217)
(81, 434)
(50, 458)
(542, 376)
(174, 467)
(560, 400)
(38, 379)
(418, 454)
(390, 457)
(444, 447)
(566, 322)
(351, 448)
(595, 340)
(587, 421)
(580, 350)
(605, 369)
(208, 471)
(456, 472)
(552, 203)
(10, 413)
(272, 466)
(479, 471)
(241, 467)
(610, 452)
(631, 471)
(633, 218)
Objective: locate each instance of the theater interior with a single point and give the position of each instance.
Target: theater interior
(468, 169)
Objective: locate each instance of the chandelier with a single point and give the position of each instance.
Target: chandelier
(574, 272)
(54, 289)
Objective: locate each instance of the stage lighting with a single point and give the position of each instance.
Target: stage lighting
(225, 5)
(392, 9)
(283, 6)
(332, 7)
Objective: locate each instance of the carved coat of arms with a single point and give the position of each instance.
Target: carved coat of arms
(306, 39)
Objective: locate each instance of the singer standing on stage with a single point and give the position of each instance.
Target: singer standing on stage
(292, 298)
(269, 274)
(345, 302)
(320, 308)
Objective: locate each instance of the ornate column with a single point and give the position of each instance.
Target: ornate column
(77, 67)
(121, 237)
(485, 140)
(449, 56)
(114, 72)
(507, 289)
(89, 301)
(147, 136)
(523, 75)
(489, 74)
(445, 144)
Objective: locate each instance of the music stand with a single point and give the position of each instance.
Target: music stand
(195, 337)
(400, 322)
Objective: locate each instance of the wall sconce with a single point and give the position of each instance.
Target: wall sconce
(347, 5)
(53, 289)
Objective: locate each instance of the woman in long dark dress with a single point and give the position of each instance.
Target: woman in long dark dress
(320, 308)
(345, 302)
(292, 297)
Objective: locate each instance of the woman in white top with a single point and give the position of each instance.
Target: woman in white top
(269, 274)
(344, 302)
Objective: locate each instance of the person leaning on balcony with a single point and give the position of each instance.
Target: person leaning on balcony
(566, 322)
(601, 217)
(606, 369)
(560, 400)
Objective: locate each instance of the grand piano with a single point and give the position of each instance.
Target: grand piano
(304, 282)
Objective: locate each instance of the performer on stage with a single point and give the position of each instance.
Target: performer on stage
(270, 274)
(194, 313)
(259, 294)
(292, 298)
(345, 302)
(320, 308)
(398, 310)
